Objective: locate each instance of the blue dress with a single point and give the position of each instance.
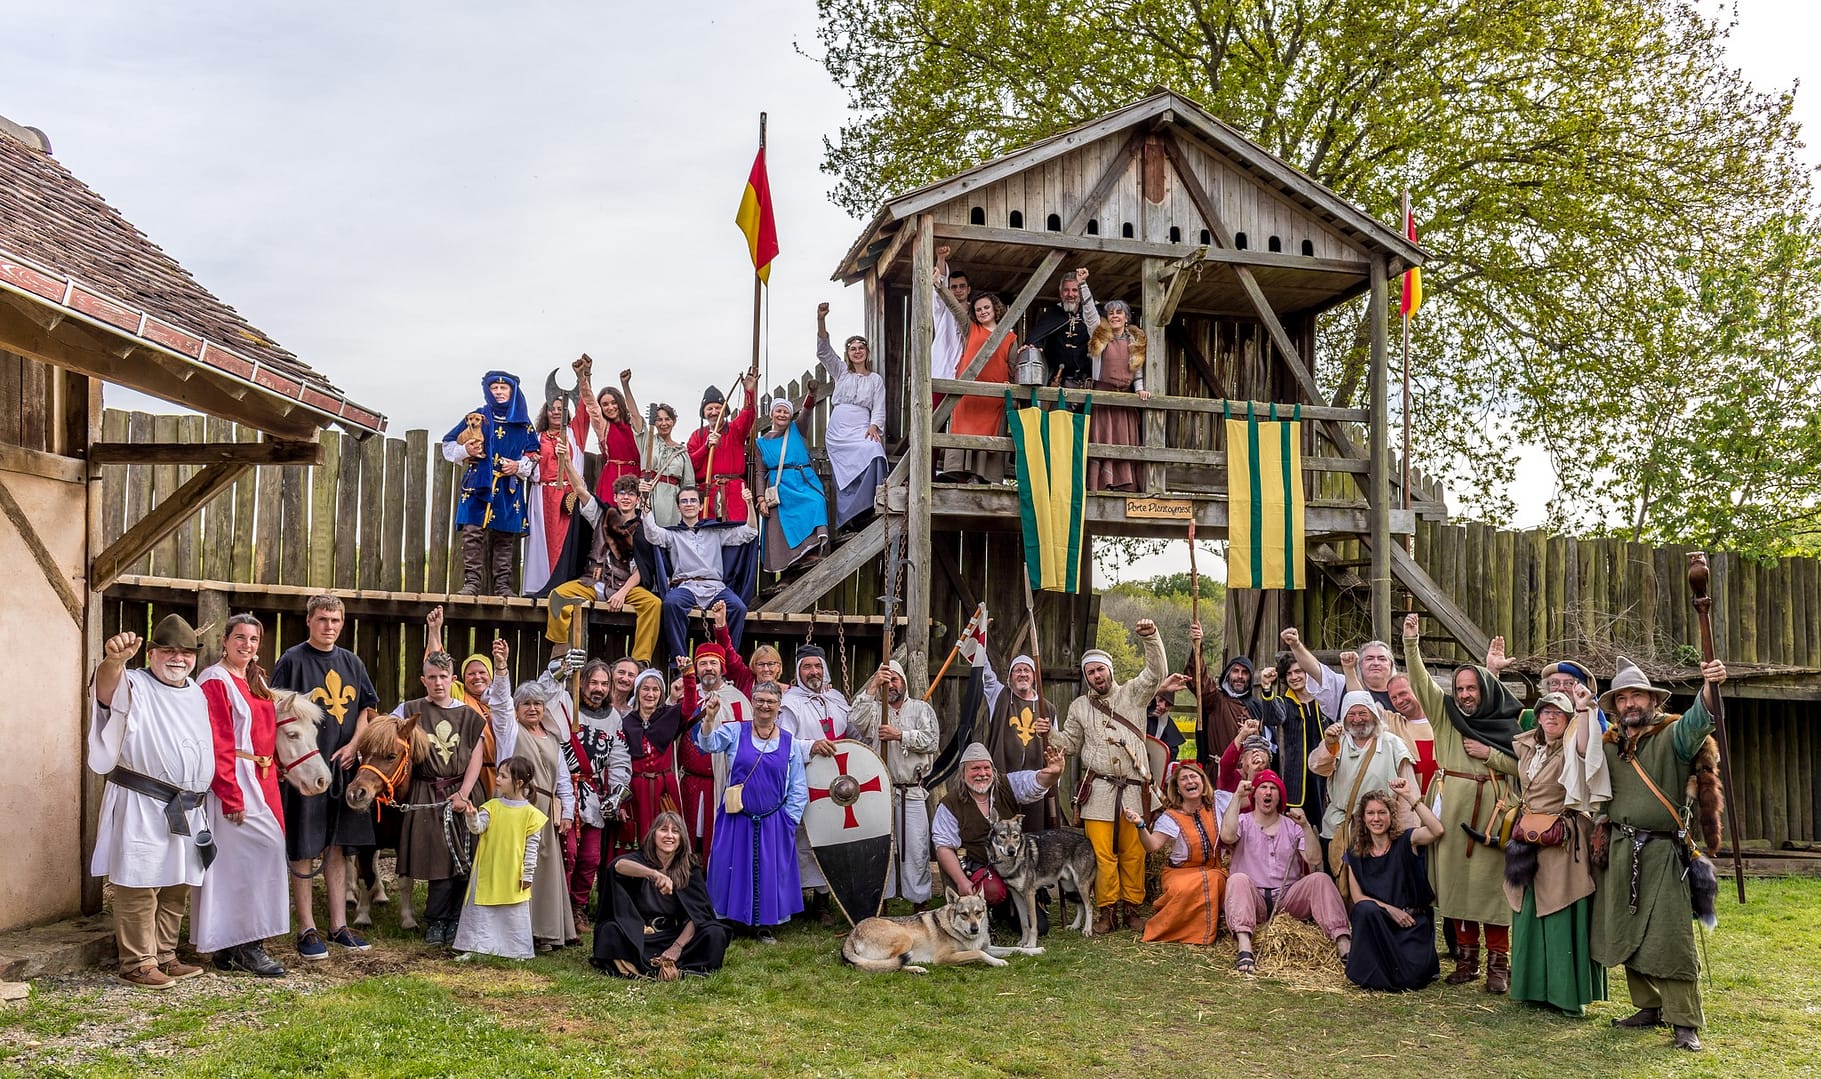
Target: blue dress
(802, 501)
(489, 498)
(752, 867)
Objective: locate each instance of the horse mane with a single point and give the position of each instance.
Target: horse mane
(297, 705)
(380, 734)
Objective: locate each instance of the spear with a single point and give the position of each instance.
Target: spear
(1195, 617)
(1703, 604)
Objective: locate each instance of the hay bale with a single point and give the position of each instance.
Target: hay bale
(1288, 948)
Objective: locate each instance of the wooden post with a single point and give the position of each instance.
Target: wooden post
(1156, 375)
(212, 620)
(93, 634)
(1379, 510)
(918, 546)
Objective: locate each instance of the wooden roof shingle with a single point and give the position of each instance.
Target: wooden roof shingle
(65, 247)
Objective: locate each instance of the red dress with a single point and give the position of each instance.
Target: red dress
(550, 484)
(619, 457)
(983, 415)
(721, 474)
(263, 736)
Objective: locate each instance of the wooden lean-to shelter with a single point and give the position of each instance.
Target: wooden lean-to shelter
(1230, 258)
(87, 299)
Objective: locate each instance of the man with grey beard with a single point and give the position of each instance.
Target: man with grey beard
(816, 714)
(907, 734)
(964, 819)
(1062, 332)
(151, 739)
(1655, 881)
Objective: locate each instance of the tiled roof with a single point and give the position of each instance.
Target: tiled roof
(63, 244)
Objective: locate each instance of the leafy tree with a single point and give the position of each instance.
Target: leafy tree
(1613, 210)
(1113, 638)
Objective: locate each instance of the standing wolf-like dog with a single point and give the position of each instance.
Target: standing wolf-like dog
(955, 932)
(1027, 863)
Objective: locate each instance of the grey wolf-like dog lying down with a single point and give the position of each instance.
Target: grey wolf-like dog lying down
(956, 932)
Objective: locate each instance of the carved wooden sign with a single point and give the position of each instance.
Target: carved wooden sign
(1160, 509)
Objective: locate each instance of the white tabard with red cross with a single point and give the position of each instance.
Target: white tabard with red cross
(850, 796)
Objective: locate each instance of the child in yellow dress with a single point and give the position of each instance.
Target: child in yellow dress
(496, 916)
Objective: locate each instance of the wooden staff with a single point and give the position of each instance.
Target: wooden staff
(1703, 604)
(1195, 617)
(1052, 803)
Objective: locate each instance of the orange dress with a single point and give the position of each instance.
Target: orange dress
(1188, 909)
(983, 415)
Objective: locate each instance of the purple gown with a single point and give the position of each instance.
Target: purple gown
(752, 870)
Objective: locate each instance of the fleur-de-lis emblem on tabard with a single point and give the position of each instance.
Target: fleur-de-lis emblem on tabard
(335, 696)
(443, 741)
(1024, 725)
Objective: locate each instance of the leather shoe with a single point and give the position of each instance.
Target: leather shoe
(1686, 1038)
(178, 970)
(254, 959)
(1642, 1019)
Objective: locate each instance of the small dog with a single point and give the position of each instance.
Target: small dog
(956, 932)
(1049, 859)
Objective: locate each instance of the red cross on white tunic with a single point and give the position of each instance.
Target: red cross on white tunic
(871, 785)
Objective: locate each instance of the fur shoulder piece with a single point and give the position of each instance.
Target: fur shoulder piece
(1103, 333)
(1705, 793)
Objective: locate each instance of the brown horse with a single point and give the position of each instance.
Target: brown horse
(386, 752)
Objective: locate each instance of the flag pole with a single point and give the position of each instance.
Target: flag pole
(1409, 538)
(758, 285)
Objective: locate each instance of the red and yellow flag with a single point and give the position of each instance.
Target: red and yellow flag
(755, 219)
(1413, 277)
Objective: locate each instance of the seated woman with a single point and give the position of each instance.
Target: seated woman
(1276, 866)
(1393, 918)
(1188, 910)
(655, 918)
(795, 505)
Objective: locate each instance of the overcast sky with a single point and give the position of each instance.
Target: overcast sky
(406, 195)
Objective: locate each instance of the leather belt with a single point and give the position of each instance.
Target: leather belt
(177, 804)
(1480, 779)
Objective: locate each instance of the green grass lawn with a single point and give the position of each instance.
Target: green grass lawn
(1102, 1007)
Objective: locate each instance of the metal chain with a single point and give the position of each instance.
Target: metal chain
(847, 675)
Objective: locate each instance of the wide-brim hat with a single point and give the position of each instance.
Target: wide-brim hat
(175, 631)
(1573, 670)
(1628, 676)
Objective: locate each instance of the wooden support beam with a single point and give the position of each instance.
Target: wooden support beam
(210, 481)
(49, 466)
(1196, 360)
(1178, 275)
(76, 346)
(274, 452)
(1115, 245)
(1378, 486)
(1160, 402)
(918, 543)
(1156, 371)
(854, 552)
(47, 564)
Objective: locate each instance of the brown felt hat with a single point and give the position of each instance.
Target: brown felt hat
(175, 631)
(1627, 676)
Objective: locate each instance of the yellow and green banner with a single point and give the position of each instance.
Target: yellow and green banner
(1264, 501)
(1051, 447)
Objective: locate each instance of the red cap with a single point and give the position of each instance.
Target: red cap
(1264, 776)
(710, 648)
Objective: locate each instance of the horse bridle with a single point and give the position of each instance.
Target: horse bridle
(393, 779)
(282, 766)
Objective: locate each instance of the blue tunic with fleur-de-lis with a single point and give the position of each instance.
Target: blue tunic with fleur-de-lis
(493, 494)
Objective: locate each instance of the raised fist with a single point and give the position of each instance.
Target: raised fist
(121, 647)
(1145, 628)
(1290, 637)
(822, 310)
(1410, 624)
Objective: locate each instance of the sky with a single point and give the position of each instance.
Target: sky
(409, 194)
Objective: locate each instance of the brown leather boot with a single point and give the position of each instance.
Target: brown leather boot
(1466, 967)
(1129, 918)
(1498, 971)
(474, 560)
(501, 546)
(1106, 919)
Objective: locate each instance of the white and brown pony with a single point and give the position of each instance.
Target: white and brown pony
(299, 761)
(386, 752)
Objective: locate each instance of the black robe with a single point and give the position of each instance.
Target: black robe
(636, 922)
(1386, 955)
